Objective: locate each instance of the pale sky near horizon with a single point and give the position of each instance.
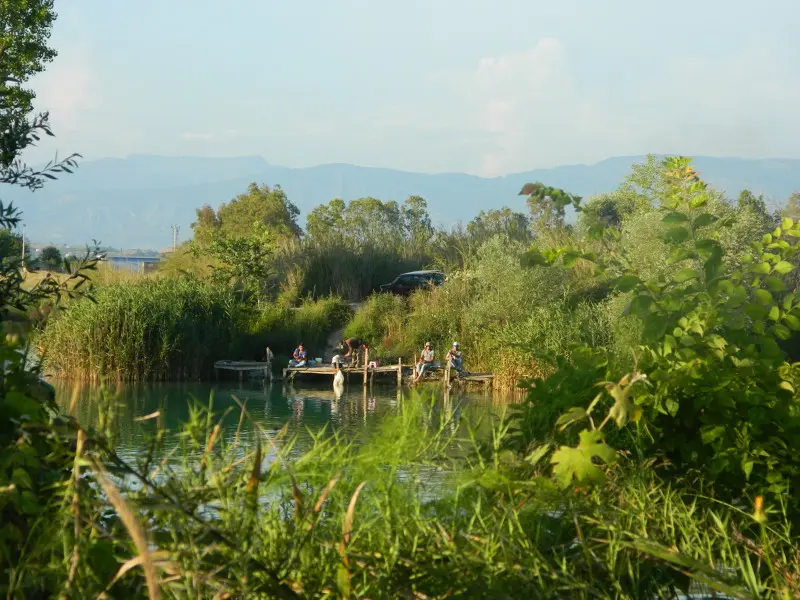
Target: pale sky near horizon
(424, 85)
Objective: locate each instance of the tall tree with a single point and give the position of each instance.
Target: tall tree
(24, 30)
(749, 201)
(502, 221)
(548, 204)
(51, 257)
(259, 210)
(416, 221)
(326, 220)
(207, 225)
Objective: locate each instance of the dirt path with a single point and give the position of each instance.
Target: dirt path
(335, 338)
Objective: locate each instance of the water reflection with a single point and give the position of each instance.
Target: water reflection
(302, 410)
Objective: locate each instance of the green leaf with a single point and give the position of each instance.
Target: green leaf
(626, 283)
(703, 220)
(684, 275)
(640, 305)
(577, 463)
(792, 321)
(764, 297)
(774, 313)
(676, 235)
(760, 268)
(22, 479)
(573, 415)
(709, 434)
(785, 385)
(784, 267)
(675, 218)
(755, 311)
(680, 254)
(538, 454)
(533, 258)
(698, 201)
(775, 284)
(782, 331)
(787, 223)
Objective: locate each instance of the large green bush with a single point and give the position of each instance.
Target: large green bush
(710, 391)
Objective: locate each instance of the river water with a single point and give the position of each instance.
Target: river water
(304, 409)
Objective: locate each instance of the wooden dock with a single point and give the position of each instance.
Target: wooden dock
(242, 367)
(399, 371)
(366, 372)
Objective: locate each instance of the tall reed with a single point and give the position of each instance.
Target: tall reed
(155, 329)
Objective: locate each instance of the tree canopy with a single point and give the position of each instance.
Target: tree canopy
(500, 221)
(259, 210)
(548, 204)
(24, 52)
(372, 221)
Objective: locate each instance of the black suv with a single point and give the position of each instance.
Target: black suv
(406, 283)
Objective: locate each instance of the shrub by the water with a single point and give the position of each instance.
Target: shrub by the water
(155, 329)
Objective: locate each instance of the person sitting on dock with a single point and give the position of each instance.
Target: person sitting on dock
(425, 361)
(299, 357)
(455, 358)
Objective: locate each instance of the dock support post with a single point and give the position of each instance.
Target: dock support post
(447, 375)
(399, 372)
(366, 364)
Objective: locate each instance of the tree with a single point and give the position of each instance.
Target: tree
(207, 225)
(326, 219)
(416, 221)
(262, 206)
(369, 221)
(247, 260)
(502, 221)
(547, 204)
(748, 201)
(36, 442)
(792, 209)
(51, 257)
(24, 52)
(259, 208)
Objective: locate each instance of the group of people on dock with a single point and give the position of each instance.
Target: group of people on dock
(427, 360)
(351, 347)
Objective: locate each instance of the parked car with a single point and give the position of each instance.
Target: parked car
(406, 283)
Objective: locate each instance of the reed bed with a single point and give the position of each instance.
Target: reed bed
(153, 329)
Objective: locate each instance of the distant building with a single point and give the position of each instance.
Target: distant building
(141, 264)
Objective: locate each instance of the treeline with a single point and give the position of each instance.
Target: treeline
(346, 249)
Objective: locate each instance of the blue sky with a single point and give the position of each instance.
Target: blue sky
(438, 85)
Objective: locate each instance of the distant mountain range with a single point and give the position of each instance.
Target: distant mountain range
(132, 202)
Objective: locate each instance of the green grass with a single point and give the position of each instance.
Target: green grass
(389, 514)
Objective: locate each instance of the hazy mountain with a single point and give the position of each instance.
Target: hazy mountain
(132, 202)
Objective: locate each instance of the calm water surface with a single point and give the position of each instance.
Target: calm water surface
(304, 409)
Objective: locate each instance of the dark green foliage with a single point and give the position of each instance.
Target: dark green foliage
(51, 257)
(711, 392)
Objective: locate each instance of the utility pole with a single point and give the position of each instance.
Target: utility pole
(23, 249)
(175, 230)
